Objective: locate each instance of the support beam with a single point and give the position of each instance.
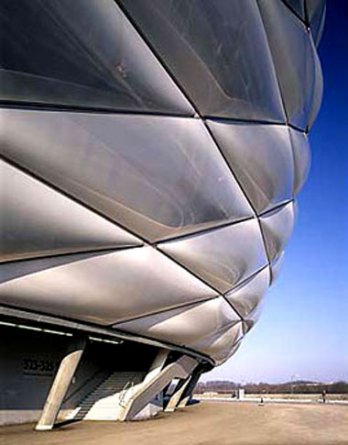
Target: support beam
(61, 384)
(177, 395)
(157, 365)
(145, 392)
(190, 387)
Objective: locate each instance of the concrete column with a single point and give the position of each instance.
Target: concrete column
(189, 388)
(157, 365)
(61, 384)
(176, 396)
(146, 391)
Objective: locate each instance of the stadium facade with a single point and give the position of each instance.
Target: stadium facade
(152, 153)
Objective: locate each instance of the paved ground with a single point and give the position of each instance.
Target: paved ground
(207, 423)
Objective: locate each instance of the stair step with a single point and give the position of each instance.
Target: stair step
(103, 401)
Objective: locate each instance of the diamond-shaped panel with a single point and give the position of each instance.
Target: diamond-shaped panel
(82, 54)
(277, 227)
(158, 176)
(246, 297)
(106, 288)
(293, 59)
(261, 158)
(222, 257)
(186, 325)
(210, 47)
(38, 221)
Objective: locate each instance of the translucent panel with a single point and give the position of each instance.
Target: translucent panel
(292, 54)
(277, 227)
(261, 158)
(276, 266)
(217, 51)
(248, 295)
(316, 10)
(104, 289)
(158, 176)
(302, 158)
(222, 257)
(297, 6)
(186, 325)
(80, 53)
(35, 220)
(222, 344)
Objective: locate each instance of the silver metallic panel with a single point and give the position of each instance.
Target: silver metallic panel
(246, 297)
(186, 325)
(302, 158)
(317, 87)
(81, 53)
(277, 227)
(297, 6)
(210, 49)
(233, 350)
(104, 289)
(316, 11)
(222, 344)
(251, 319)
(158, 176)
(276, 265)
(261, 158)
(221, 257)
(147, 160)
(293, 59)
(38, 221)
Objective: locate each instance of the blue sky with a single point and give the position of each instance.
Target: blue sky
(303, 330)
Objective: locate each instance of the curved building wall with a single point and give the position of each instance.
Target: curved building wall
(152, 156)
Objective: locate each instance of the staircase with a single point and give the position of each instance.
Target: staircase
(103, 403)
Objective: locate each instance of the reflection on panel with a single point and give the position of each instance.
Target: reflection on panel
(210, 48)
(293, 59)
(37, 221)
(104, 289)
(221, 344)
(80, 53)
(302, 158)
(186, 325)
(277, 227)
(276, 265)
(316, 10)
(221, 257)
(246, 297)
(157, 176)
(261, 158)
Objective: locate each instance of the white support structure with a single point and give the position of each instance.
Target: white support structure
(154, 384)
(157, 365)
(61, 384)
(177, 395)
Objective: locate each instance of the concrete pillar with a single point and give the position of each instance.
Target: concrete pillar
(61, 384)
(189, 388)
(176, 396)
(157, 365)
(146, 391)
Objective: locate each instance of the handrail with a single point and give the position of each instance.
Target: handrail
(123, 392)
